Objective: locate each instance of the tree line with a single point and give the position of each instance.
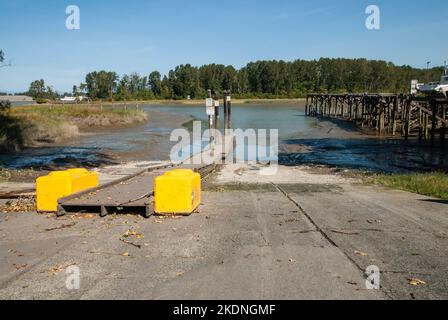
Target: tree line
(261, 79)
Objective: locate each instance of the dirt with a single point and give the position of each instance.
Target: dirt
(21, 175)
(22, 204)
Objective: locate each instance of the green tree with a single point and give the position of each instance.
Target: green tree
(134, 83)
(101, 85)
(37, 89)
(271, 78)
(166, 89)
(123, 88)
(184, 81)
(50, 93)
(155, 83)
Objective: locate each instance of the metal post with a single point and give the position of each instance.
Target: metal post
(217, 120)
(225, 109)
(217, 116)
(306, 106)
(210, 119)
(229, 109)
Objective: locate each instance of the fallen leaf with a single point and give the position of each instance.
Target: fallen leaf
(20, 266)
(87, 216)
(58, 268)
(179, 274)
(416, 282)
(126, 254)
(360, 253)
(131, 233)
(22, 204)
(128, 233)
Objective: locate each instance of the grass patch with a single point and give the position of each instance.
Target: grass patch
(429, 184)
(29, 126)
(83, 116)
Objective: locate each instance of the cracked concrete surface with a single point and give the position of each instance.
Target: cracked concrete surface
(294, 235)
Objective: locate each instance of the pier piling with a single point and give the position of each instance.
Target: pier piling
(385, 113)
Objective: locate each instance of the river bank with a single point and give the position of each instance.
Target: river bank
(97, 146)
(186, 102)
(33, 126)
(234, 101)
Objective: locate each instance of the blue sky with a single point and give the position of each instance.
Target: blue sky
(147, 35)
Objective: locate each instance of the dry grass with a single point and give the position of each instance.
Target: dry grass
(33, 125)
(83, 116)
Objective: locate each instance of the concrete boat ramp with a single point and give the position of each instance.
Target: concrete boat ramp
(136, 191)
(302, 233)
(133, 192)
(299, 234)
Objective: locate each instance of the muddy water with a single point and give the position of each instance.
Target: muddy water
(148, 141)
(303, 140)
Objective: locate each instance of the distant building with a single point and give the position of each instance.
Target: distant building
(72, 99)
(16, 98)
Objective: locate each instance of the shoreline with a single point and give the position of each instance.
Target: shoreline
(175, 102)
(45, 125)
(325, 138)
(83, 150)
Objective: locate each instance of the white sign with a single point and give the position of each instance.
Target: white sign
(216, 103)
(210, 111)
(228, 98)
(414, 86)
(209, 102)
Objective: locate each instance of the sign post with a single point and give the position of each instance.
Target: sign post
(217, 116)
(225, 109)
(229, 109)
(210, 110)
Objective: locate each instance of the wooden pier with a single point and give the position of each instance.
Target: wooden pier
(386, 114)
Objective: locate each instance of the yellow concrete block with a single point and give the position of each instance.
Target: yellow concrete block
(177, 192)
(59, 184)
